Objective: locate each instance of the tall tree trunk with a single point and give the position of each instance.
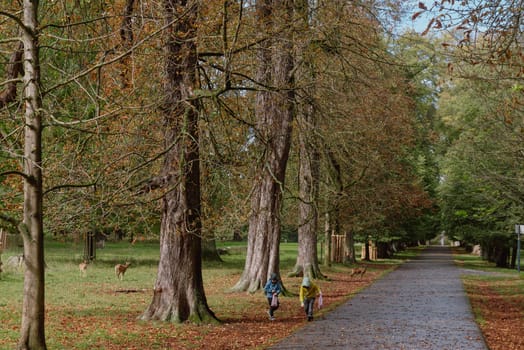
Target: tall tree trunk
(501, 252)
(366, 256)
(327, 234)
(307, 259)
(209, 249)
(32, 332)
(127, 39)
(274, 113)
(309, 159)
(350, 256)
(513, 260)
(209, 245)
(335, 174)
(179, 289)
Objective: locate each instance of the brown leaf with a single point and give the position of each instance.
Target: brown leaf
(416, 14)
(428, 27)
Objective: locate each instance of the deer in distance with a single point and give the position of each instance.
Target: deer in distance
(83, 268)
(120, 270)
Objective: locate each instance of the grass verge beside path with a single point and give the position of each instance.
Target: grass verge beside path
(497, 299)
(98, 311)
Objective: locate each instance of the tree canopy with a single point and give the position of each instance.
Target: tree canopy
(191, 121)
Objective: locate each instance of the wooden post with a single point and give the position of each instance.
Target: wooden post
(89, 246)
(3, 240)
(327, 232)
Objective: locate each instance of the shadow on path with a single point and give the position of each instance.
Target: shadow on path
(420, 305)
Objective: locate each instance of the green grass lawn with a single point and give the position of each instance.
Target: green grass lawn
(69, 294)
(97, 309)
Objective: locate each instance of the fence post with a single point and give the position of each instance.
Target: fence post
(89, 246)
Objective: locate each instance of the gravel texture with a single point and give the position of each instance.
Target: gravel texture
(421, 305)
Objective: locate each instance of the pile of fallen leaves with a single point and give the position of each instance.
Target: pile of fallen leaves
(499, 309)
(244, 319)
(250, 328)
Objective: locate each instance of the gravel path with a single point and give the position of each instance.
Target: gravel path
(421, 305)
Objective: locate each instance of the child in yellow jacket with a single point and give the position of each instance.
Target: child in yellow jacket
(308, 292)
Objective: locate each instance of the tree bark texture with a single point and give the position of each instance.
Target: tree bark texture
(274, 114)
(332, 205)
(179, 290)
(209, 250)
(307, 259)
(366, 256)
(14, 69)
(335, 174)
(513, 259)
(32, 331)
(126, 36)
(309, 161)
(350, 257)
(327, 235)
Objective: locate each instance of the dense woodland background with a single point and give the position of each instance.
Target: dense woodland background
(196, 121)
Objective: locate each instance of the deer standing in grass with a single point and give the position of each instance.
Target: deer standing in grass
(358, 271)
(120, 270)
(83, 268)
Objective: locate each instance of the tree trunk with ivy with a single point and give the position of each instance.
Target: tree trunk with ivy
(179, 290)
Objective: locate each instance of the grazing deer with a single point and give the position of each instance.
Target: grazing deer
(83, 268)
(120, 270)
(358, 271)
(136, 239)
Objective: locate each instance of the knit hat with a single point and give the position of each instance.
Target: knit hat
(306, 282)
(274, 276)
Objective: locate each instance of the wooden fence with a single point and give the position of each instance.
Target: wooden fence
(372, 251)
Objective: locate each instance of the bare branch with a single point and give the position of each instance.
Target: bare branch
(18, 21)
(115, 59)
(15, 172)
(59, 187)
